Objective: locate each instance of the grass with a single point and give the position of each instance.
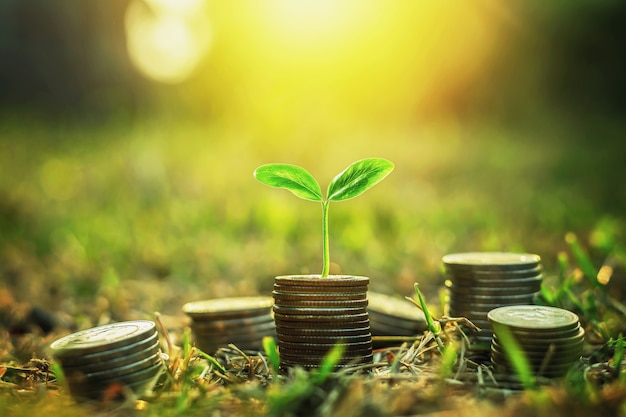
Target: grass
(117, 222)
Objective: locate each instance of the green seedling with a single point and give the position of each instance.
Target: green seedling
(357, 178)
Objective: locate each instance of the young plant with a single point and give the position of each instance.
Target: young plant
(359, 177)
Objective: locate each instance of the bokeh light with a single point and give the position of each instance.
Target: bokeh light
(167, 39)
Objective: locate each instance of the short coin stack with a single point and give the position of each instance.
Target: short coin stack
(551, 338)
(314, 314)
(242, 321)
(125, 353)
(481, 281)
(394, 316)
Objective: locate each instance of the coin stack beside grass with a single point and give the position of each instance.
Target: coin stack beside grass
(242, 321)
(481, 281)
(314, 314)
(393, 316)
(551, 338)
(95, 359)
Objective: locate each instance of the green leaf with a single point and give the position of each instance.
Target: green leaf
(329, 362)
(516, 355)
(358, 178)
(291, 177)
(271, 350)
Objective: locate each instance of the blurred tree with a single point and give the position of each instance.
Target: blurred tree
(65, 56)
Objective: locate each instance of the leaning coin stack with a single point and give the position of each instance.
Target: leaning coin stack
(95, 359)
(481, 281)
(242, 321)
(394, 316)
(551, 338)
(314, 314)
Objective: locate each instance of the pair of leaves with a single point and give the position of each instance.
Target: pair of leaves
(359, 177)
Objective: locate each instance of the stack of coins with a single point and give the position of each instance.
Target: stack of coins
(551, 338)
(125, 353)
(314, 314)
(242, 321)
(481, 281)
(393, 316)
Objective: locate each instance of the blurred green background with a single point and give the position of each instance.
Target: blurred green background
(129, 131)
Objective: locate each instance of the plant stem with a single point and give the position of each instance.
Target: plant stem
(326, 250)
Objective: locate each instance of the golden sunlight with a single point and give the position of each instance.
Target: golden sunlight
(166, 39)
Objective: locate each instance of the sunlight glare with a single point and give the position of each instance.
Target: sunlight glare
(166, 38)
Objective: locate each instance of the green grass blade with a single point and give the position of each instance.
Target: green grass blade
(328, 364)
(359, 177)
(211, 360)
(291, 177)
(515, 355)
(271, 350)
(582, 259)
(618, 355)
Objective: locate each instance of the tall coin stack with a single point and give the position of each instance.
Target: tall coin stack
(551, 338)
(314, 314)
(481, 281)
(125, 353)
(394, 316)
(242, 321)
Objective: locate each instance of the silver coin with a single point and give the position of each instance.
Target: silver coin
(102, 338)
(539, 359)
(493, 299)
(323, 332)
(534, 318)
(317, 281)
(380, 329)
(331, 296)
(324, 322)
(486, 307)
(548, 339)
(367, 337)
(316, 290)
(315, 361)
(318, 311)
(494, 282)
(495, 260)
(398, 322)
(223, 308)
(337, 304)
(211, 330)
(488, 290)
(535, 363)
(539, 348)
(110, 363)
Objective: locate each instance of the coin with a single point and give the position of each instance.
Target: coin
(535, 318)
(321, 323)
(502, 282)
(235, 307)
(99, 339)
(317, 281)
(212, 330)
(491, 260)
(480, 299)
(336, 304)
(112, 362)
(289, 331)
(365, 337)
(331, 296)
(318, 311)
(571, 345)
(321, 291)
(488, 306)
(315, 361)
(488, 289)
(547, 339)
(394, 307)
